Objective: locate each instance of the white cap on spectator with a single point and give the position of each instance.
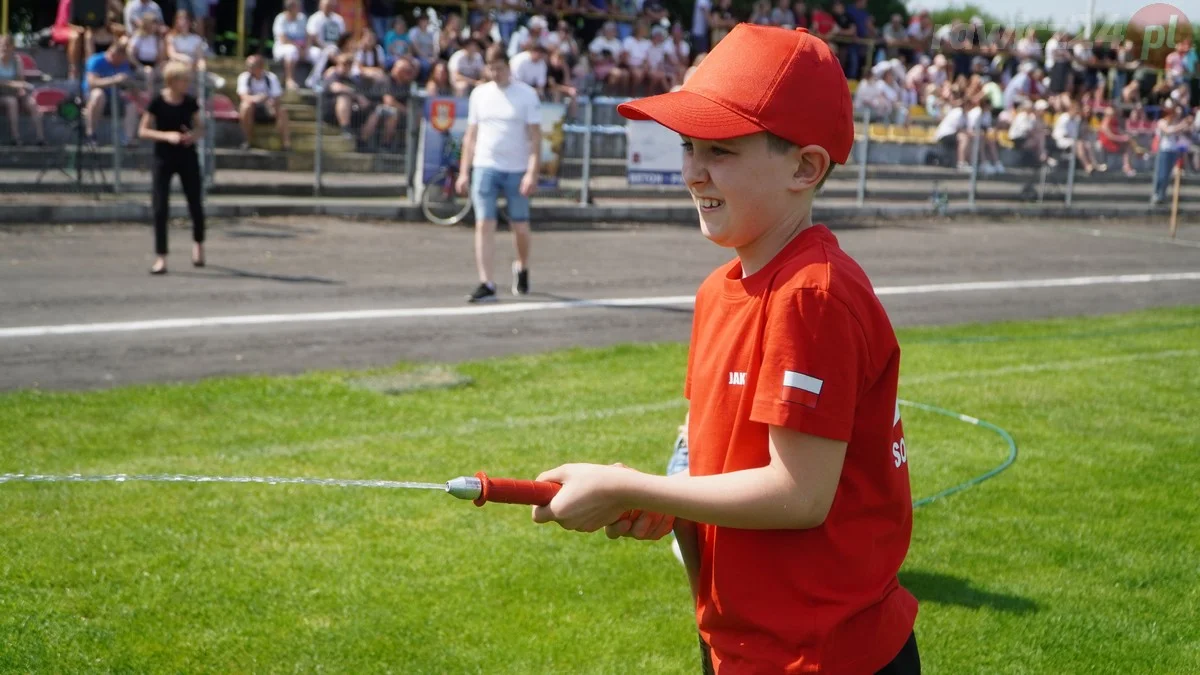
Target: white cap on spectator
(538, 21)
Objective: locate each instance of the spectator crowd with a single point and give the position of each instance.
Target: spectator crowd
(1069, 96)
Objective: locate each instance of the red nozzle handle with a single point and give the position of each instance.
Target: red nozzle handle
(511, 491)
(528, 492)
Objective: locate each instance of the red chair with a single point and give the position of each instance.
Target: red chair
(48, 99)
(223, 109)
(29, 66)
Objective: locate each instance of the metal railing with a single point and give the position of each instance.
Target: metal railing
(381, 141)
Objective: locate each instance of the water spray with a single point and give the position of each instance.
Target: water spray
(479, 489)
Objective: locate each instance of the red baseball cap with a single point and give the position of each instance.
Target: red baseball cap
(761, 78)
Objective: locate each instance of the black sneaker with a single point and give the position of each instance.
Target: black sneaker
(485, 293)
(520, 280)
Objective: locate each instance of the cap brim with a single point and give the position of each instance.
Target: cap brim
(690, 114)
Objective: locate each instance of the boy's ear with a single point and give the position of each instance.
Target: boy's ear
(812, 164)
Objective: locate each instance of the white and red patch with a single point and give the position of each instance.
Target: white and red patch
(801, 389)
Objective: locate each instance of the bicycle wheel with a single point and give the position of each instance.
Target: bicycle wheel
(441, 203)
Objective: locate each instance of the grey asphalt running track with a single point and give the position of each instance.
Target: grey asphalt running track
(57, 275)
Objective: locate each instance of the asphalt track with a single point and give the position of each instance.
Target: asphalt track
(79, 311)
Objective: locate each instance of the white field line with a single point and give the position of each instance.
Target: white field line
(520, 307)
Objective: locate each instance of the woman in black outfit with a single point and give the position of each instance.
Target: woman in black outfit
(173, 122)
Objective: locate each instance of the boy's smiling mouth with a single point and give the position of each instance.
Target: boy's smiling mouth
(708, 203)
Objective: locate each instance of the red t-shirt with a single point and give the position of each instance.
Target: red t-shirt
(822, 22)
(1112, 126)
(803, 343)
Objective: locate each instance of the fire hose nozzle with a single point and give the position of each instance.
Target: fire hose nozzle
(465, 487)
(480, 489)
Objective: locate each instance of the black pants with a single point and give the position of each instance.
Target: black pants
(907, 662)
(187, 165)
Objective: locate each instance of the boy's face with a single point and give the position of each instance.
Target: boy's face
(740, 186)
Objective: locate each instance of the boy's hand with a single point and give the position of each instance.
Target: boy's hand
(591, 496)
(643, 525)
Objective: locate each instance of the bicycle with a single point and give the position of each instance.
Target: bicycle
(440, 201)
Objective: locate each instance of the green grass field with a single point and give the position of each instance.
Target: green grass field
(1080, 558)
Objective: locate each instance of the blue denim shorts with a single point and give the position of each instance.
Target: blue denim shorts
(488, 185)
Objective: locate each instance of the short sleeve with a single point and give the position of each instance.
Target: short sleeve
(533, 113)
(193, 107)
(243, 84)
(473, 107)
(155, 107)
(814, 364)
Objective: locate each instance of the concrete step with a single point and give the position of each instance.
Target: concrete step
(333, 163)
(299, 112)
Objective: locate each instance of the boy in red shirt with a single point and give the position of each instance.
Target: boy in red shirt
(795, 514)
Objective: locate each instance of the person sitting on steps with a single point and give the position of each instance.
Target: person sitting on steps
(260, 92)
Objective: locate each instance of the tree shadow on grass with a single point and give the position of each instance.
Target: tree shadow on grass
(944, 589)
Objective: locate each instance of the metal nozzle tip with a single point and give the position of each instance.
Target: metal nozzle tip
(464, 487)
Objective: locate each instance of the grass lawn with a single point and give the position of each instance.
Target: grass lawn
(1083, 557)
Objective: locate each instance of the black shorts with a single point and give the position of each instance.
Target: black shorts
(263, 114)
(907, 662)
(1058, 77)
(358, 114)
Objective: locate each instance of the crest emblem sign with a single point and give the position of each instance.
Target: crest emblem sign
(441, 115)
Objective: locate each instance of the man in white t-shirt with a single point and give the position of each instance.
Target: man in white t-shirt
(607, 40)
(950, 136)
(605, 54)
(878, 93)
(501, 155)
(291, 39)
(259, 92)
(136, 9)
(978, 123)
(524, 38)
(660, 62)
(636, 49)
(466, 67)
(325, 28)
(530, 67)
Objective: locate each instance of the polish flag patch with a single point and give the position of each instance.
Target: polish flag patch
(802, 389)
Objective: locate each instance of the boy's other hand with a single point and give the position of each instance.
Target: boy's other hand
(641, 525)
(591, 496)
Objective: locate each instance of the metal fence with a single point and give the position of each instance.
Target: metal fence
(365, 144)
